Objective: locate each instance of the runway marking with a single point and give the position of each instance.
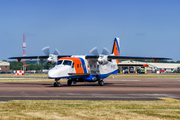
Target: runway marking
(168, 99)
(122, 80)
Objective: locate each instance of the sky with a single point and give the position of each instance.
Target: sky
(74, 27)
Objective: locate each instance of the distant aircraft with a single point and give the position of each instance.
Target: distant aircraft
(85, 68)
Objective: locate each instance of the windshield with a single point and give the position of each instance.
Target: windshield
(59, 62)
(67, 62)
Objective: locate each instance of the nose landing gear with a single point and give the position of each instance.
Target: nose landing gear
(57, 84)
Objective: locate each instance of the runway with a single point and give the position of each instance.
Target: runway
(148, 89)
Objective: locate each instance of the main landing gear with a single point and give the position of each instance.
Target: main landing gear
(101, 82)
(70, 81)
(57, 84)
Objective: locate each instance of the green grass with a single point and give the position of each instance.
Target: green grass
(90, 110)
(29, 75)
(26, 80)
(174, 75)
(154, 75)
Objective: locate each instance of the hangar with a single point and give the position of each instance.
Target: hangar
(150, 67)
(4, 67)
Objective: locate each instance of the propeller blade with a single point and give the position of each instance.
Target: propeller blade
(105, 51)
(56, 52)
(94, 51)
(46, 50)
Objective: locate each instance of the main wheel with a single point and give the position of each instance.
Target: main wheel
(69, 82)
(57, 84)
(101, 83)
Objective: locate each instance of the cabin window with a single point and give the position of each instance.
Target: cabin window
(59, 62)
(97, 66)
(67, 62)
(94, 66)
(90, 66)
(80, 65)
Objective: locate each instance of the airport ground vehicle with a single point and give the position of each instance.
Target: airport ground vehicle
(142, 70)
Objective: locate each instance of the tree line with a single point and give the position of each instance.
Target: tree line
(31, 65)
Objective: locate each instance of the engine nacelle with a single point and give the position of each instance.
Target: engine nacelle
(103, 59)
(52, 59)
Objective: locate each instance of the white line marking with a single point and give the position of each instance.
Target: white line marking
(122, 80)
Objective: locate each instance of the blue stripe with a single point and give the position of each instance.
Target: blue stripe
(117, 46)
(83, 65)
(88, 78)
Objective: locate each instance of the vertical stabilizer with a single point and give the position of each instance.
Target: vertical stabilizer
(116, 47)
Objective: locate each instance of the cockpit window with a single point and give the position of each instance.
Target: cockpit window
(59, 62)
(67, 62)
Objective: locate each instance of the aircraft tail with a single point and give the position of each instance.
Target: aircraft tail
(116, 47)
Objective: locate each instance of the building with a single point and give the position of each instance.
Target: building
(4, 67)
(150, 67)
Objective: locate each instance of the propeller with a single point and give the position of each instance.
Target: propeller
(52, 59)
(46, 51)
(103, 57)
(94, 51)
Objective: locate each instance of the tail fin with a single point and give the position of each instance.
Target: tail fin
(116, 47)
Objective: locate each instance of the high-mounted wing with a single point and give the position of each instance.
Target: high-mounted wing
(127, 58)
(39, 57)
(137, 58)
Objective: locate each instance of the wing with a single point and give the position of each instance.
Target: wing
(137, 58)
(37, 57)
(128, 57)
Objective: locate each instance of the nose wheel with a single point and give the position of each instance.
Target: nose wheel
(57, 84)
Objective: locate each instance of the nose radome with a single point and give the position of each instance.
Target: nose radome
(52, 73)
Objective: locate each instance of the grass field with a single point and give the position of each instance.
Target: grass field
(111, 76)
(29, 75)
(90, 110)
(153, 75)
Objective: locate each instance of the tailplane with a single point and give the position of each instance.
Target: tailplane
(116, 47)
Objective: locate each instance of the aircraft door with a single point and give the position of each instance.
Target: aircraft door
(73, 68)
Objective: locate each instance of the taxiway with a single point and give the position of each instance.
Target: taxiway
(114, 89)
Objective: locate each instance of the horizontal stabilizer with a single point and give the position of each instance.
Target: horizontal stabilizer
(129, 64)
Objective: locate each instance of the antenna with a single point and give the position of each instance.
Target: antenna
(24, 53)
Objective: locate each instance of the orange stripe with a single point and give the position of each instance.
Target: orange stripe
(76, 62)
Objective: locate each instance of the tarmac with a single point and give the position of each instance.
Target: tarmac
(138, 89)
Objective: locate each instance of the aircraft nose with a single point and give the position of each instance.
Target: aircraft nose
(52, 73)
